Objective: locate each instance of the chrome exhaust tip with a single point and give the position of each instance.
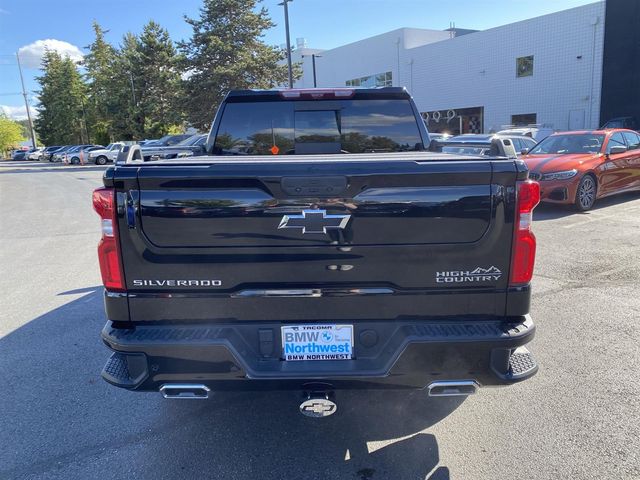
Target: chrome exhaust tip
(185, 391)
(453, 388)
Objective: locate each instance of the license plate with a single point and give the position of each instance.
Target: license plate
(317, 342)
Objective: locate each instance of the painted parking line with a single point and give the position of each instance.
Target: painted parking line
(619, 216)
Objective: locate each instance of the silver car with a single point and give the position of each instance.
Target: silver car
(106, 154)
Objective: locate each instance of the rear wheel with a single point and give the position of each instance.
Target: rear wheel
(75, 161)
(586, 193)
(101, 160)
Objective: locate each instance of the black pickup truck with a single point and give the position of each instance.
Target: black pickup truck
(318, 246)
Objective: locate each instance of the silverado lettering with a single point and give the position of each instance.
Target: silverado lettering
(177, 283)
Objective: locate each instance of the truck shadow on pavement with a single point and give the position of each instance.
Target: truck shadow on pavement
(61, 420)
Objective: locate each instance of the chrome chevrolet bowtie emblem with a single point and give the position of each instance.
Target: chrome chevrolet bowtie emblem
(314, 221)
(318, 407)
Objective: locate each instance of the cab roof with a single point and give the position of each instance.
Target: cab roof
(380, 93)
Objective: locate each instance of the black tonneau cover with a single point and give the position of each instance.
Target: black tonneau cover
(422, 156)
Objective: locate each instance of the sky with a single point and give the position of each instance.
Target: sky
(30, 25)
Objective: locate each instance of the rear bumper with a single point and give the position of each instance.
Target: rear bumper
(246, 356)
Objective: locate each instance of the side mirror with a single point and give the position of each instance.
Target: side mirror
(617, 149)
(435, 146)
(524, 151)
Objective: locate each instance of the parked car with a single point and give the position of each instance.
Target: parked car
(536, 132)
(48, 152)
(88, 150)
(20, 155)
(191, 147)
(166, 141)
(73, 155)
(35, 153)
(59, 155)
(480, 144)
(580, 167)
(102, 156)
(439, 136)
(170, 140)
(74, 150)
(258, 266)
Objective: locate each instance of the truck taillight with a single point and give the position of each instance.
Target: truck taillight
(524, 241)
(104, 203)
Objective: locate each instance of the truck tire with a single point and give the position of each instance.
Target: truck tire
(101, 160)
(586, 193)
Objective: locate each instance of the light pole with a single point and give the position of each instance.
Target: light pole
(286, 26)
(26, 104)
(313, 63)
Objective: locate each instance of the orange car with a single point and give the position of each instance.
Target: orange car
(580, 167)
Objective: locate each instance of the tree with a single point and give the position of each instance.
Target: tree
(46, 122)
(134, 89)
(103, 86)
(26, 131)
(160, 81)
(226, 51)
(10, 133)
(150, 63)
(126, 121)
(61, 96)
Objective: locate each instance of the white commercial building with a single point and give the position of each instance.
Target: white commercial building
(546, 70)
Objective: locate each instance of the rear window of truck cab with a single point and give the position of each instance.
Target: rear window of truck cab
(323, 127)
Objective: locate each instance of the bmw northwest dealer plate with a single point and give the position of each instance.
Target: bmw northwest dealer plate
(317, 342)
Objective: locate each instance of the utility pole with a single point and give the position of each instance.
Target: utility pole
(286, 26)
(26, 104)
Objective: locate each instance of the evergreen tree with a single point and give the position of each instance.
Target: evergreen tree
(226, 52)
(134, 90)
(160, 81)
(61, 96)
(127, 124)
(26, 131)
(46, 122)
(151, 63)
(103, 89)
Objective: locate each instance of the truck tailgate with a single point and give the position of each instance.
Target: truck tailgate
(316, 240)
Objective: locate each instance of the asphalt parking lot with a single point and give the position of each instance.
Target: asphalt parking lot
(577, 419)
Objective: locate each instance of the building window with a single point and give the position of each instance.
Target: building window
(524, 66)
(524, 119)
(378, 80)
(455, 122)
